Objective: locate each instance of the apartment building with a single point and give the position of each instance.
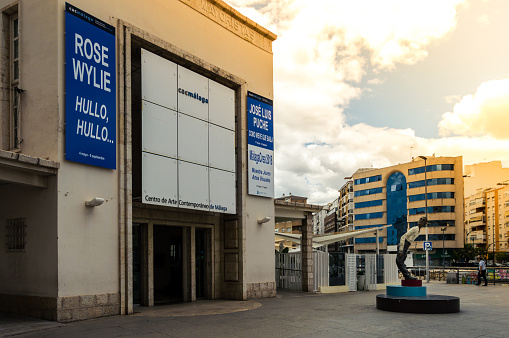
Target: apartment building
(401, 194)
(497, 219)
(345, 214)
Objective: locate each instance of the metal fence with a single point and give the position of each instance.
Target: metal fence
(289, 271)
(362, 272)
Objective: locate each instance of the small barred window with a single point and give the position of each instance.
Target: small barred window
(15, 233)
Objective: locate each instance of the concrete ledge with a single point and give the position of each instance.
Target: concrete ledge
(62, 309)
(261, 290)
(333, 289)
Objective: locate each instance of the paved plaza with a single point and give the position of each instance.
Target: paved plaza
(292, 314)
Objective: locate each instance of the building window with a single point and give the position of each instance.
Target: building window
(14, 79)
(368, 204)
(367, 192)
(429, 168)
(431, 210)
(436, 223)
(369, 215)
(15, 235)
(364, 180)
(431, 196)
(431, 181)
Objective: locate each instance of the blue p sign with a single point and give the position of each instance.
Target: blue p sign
(427, 246)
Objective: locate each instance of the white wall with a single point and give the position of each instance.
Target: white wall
(33, 272)
(259, 259)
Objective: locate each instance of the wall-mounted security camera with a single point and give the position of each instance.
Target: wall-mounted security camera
(263, 220)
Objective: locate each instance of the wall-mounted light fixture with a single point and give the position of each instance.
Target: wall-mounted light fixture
(95, 202)
(264, 220)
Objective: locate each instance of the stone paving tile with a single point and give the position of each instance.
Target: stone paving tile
(483, 314)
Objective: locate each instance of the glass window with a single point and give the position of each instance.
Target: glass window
(437, 237)
(431, 210)
(14, 78)
(360, 227)
(368, 204)
(364, 180)
(431, 181)
(369, 215)
(368, 192)
(429, 168)
(440, 223)
(431, 196)
(396, 207)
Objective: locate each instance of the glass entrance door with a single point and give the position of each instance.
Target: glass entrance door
(168, 267)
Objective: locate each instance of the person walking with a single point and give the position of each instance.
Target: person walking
(481, 272)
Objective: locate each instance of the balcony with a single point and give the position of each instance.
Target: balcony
(476, 237)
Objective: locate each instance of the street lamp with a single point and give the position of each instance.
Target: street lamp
(426, 212)
(443, 243)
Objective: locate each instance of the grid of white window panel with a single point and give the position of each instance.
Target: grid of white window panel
(15, 235)
(188, 138)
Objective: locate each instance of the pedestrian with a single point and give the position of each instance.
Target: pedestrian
(481, 272)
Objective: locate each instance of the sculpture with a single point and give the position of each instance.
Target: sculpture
(406, 240)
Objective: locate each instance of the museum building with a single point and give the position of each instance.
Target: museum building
(136, 161)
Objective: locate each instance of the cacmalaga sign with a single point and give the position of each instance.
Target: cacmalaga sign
(90, 89)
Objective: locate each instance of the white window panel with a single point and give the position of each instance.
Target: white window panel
(193, 94)
(221, 105)
(159, 130)
(193, 186)
(221, 148)
(158, 80)
(159, 180)
(192, 139)
(222, 191)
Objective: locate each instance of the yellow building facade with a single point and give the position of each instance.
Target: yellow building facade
(399, 195)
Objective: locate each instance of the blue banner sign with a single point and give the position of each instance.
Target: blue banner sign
(260, 145)
(90, 90)
(260, 123)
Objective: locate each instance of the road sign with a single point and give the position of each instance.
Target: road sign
(427, 246)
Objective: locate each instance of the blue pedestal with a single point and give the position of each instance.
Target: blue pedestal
(406, 291)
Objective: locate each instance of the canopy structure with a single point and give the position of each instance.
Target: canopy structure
(326, 239)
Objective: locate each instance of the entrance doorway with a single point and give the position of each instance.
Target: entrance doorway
(137, 267)
(201, 262)
(168, 265)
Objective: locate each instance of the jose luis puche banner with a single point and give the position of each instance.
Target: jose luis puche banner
(90, 88)
(260, 145)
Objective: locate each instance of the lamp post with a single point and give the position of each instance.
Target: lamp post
(426, 213)
(443, 244)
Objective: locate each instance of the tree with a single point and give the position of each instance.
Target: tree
(501, 256)
(468, 252)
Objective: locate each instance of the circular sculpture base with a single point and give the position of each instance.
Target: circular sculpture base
(426, 304)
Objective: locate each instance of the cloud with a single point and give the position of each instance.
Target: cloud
(484, 113)
(324, 51)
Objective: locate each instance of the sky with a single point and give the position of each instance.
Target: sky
(370, 84)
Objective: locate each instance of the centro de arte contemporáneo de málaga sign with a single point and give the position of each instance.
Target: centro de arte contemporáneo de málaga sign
(90, 89)
(260, 146)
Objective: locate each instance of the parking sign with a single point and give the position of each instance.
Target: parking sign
(427, 246)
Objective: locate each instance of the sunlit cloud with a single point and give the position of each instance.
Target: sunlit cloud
(483, 113)
(325, 53)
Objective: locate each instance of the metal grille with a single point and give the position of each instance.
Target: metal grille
(15, 234)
